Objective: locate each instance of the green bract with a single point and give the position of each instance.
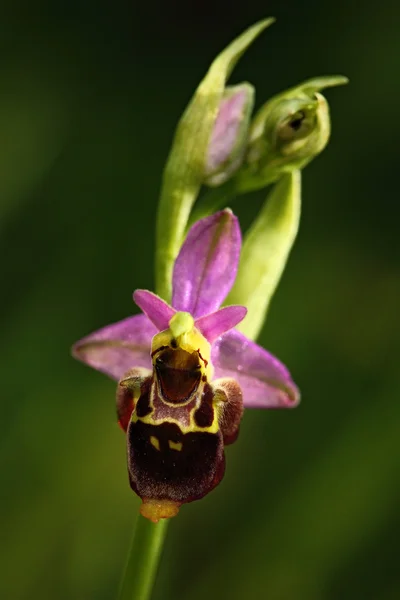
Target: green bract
(184, 171)
(265, 251)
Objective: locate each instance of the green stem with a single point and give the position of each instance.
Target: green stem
(213, 199)
(144, 555)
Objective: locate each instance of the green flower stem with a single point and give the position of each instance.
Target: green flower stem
(144, 555)
(213, 200)
(220, 197)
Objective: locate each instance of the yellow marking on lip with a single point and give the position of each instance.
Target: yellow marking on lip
(154, 442)
(175, 445)
(191, 428)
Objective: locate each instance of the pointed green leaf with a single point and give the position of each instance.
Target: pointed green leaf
(184, 171)
(265, 251)
(316, 84)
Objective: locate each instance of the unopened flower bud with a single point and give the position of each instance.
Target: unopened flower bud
(228, 141)
(287, 133)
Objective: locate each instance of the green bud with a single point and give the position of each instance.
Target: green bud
(265, 250)
(185, 169)
(287, 133)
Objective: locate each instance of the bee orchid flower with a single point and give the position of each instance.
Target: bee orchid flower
(185, 373)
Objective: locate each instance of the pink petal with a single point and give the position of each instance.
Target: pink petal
(217, 323)
(207, 263)
(265, 381)
(159, 312)
(116, 348)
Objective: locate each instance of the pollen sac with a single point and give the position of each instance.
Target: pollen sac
(179, 425)
(287, 133)
(228, 142)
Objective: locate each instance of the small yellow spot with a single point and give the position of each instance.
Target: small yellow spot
(154, 442)
(175, 445)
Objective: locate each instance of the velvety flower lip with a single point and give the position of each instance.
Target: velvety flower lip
(204, 272)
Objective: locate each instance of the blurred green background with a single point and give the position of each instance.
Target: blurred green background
(90, 95)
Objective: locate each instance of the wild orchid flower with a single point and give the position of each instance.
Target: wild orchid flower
(185, 373)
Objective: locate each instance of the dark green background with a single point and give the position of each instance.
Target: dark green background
(90, 94)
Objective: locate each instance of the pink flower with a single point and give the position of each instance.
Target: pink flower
(185, 373)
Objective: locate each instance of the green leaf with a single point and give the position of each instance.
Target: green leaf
(265, 251)
(183, 174)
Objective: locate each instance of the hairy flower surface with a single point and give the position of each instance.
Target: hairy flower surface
(185, 373)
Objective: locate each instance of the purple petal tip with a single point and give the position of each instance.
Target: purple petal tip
(221, 321)
(229, 136)
(157, 310)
